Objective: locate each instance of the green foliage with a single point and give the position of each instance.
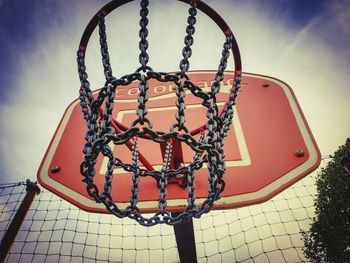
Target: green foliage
(328, 239)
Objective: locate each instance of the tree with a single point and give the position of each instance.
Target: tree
(328, 239)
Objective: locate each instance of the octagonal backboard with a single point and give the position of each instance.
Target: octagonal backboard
(269, 147)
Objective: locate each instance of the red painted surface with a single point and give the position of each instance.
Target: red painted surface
(270, 129)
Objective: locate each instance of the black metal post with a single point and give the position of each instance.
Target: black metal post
(186, 244)
(10, 235)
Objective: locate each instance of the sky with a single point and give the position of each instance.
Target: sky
(302, 42)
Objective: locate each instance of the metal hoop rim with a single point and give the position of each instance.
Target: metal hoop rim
(109, 7)
(114, 4)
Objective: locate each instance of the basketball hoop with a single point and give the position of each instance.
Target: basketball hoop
(103, 130)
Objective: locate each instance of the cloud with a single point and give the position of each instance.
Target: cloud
(45, 83)
(313, 59)
(340, 12)
(305, 58)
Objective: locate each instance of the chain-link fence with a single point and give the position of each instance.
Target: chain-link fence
(56, 231)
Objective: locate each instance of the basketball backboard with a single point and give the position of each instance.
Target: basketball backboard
(269, 147)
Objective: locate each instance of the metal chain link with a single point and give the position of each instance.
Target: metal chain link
(227, 114)
(187, 51)
(136, 175)
(215, 87)
(208, 148)
(108, 110)
(143, 33)
(104, 48)
(163, 181)
(142, 99)
(216, 160)
(181, 106)
(107, 188)
(90, 115)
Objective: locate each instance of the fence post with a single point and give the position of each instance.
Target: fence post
(10, 235)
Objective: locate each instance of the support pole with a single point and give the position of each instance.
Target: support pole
(186, 244)
(10, 235)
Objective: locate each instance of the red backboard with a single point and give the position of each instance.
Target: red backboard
(269, 147)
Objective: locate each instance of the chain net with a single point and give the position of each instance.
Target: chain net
(97, 112)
